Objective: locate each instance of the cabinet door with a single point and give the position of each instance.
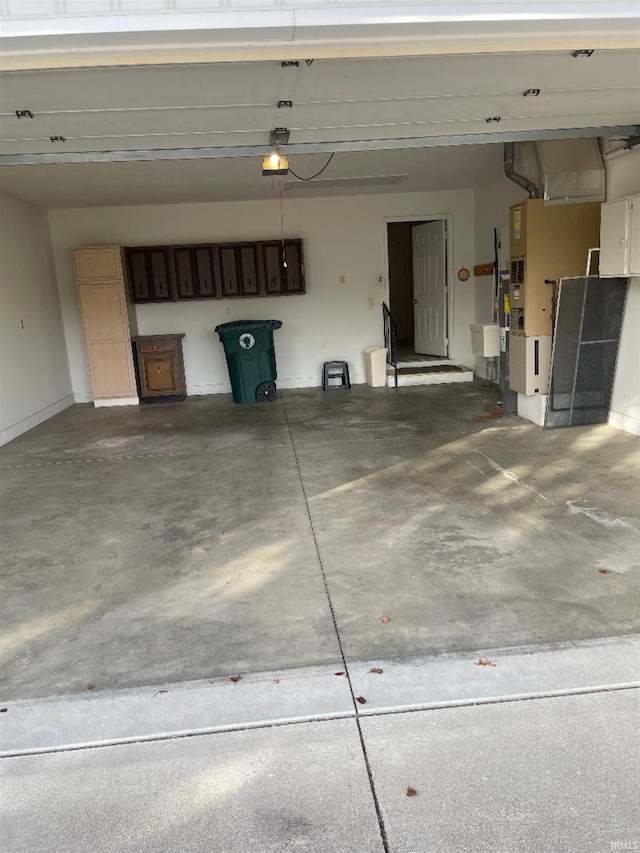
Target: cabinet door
(228, 272)
(185, 279)
(98, 263)
(110, 366)
(103, 312)
(203, 261)
(139, 277)
(161, 278)
(273, 267)
(159, 375)
(613, 238)
(249, 267)
(294, 271)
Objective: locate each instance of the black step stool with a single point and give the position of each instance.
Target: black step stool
(333, 370)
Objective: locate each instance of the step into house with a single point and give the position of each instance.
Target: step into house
(430, 371)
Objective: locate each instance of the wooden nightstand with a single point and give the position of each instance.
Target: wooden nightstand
(159, 368)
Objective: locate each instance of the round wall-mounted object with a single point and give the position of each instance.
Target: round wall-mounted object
(463, 274)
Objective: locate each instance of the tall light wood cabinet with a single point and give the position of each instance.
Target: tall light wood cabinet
(108, 323)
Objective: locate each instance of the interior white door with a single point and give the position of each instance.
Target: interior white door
(430, 288)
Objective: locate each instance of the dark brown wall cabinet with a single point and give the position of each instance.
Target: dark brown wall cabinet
(150, 274)
(223, 271)
(159, 367)
(284, 269)
(196, 272)
(240, 270)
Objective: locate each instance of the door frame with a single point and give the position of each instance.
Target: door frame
(424, 217)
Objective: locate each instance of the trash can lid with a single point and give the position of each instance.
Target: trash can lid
(247, 325)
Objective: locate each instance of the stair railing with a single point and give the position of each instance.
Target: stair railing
(390, 339)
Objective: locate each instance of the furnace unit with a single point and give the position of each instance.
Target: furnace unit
(547, 243)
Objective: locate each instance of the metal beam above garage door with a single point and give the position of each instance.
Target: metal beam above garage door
(310, 147)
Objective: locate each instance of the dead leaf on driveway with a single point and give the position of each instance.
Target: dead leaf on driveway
(411, 792)
(160, 691)
(361, 700)
(90, 687)
(3, 710)
(605, 571)
(235, 678)
(485, 662)
(376, 669)
(386, 619)
(338, 673)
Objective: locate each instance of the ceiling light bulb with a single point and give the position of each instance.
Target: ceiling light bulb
(274, 160)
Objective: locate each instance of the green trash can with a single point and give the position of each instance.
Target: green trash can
(251, 359)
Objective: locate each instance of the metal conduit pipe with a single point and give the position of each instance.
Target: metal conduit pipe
(525, 183)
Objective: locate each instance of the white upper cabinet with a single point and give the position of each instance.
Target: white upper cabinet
(620, 237)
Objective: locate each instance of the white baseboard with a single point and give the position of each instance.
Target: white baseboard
(116, 401)
(207, 389)
(281, 382)
(83, 397)
(625, 422)
(31, 421)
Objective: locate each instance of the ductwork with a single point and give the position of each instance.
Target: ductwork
(573, 170)
(520, 180)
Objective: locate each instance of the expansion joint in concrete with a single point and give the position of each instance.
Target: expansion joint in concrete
(376, 803)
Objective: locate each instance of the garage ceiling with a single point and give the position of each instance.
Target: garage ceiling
(341, 102)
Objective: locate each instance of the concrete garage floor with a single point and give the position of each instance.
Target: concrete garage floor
(151, 553)
(170, 543)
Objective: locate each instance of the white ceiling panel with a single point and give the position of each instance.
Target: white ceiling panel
(446, 75)
(359, 115)
(130, 88)
(324, 80)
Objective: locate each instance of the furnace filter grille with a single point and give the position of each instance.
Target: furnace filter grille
(585, 347)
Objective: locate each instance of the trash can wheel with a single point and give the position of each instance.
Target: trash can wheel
(266, 392)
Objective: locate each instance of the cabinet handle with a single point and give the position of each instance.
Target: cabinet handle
(158, 371)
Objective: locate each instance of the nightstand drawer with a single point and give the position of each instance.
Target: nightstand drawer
(152, 348)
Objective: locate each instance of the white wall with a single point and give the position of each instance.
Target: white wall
(342, 236)
(623, 179)
(34, 372)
